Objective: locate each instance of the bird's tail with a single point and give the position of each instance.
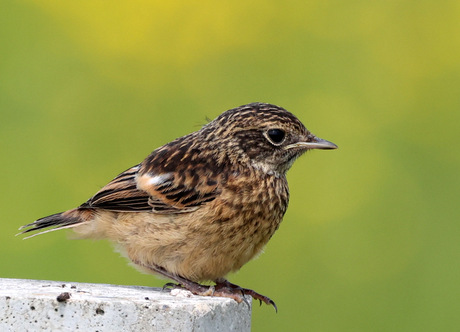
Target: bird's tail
(56, 221)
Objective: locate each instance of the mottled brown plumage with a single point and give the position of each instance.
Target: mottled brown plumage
(202, 205)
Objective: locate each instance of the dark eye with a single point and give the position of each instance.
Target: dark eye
(276, 136)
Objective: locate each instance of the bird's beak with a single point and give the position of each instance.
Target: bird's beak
(315, 143)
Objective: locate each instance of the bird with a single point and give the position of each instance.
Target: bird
(201, 206)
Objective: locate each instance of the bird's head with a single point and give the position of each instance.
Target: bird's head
(263, 135)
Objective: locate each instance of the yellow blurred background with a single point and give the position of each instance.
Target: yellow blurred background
(371, 239)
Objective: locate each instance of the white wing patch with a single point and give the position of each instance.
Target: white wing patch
(159, 179)
(147, 181)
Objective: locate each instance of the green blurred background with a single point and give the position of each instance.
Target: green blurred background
(371, 240)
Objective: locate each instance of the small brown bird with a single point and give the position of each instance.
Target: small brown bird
(202, 205)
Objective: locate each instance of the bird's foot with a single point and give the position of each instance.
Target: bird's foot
(225, 288)
(204, 290)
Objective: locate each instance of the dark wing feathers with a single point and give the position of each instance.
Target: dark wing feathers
(148, 187)
(175, 193)
(175, 196)
(179, 177)
(121, 194)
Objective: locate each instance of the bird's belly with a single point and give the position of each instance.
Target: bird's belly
(196, 249)
(214, 255)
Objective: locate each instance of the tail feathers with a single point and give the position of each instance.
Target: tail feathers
(54, 222)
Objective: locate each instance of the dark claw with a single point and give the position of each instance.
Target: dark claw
(246, 301)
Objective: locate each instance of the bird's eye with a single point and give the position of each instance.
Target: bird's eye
(276, 136)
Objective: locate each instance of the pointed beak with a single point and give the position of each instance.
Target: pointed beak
(315, 143)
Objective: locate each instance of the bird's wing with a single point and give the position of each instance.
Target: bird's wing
(121, 194)
(179, 191)
(146, 188)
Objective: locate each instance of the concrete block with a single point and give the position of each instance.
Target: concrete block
(38, 305)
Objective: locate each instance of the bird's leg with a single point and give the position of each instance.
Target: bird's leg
(226, 289)
(184, 283)
(223, 287)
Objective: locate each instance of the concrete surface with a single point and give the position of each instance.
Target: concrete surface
(38, 305)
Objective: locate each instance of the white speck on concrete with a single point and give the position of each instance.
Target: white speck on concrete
(181, 293)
